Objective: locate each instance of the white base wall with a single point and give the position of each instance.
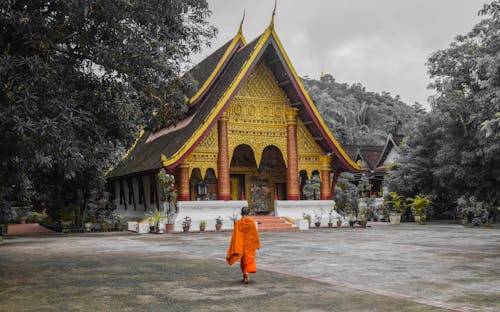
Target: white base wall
(296, 208)
(208, 210)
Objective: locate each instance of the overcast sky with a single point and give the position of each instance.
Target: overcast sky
(383, 44)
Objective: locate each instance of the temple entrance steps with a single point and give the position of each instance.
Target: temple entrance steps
(28, 229)
(273, 224)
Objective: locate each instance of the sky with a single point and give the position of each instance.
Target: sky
(382, 44)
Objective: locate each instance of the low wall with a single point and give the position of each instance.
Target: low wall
(296, 208)
(208, 210)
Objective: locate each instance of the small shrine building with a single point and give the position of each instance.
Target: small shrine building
(252, 137)
(375, 161)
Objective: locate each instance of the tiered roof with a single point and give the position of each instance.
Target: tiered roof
(229, 68)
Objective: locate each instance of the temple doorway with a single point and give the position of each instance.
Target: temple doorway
(269, 181)
(262, 185)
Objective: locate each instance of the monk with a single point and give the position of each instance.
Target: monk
(244, 242)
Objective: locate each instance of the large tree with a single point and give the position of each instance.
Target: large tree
(450, 153)
(78, 78)
(357, 116)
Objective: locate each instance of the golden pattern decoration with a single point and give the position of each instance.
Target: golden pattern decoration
(261, 83)
(309, 151)
(257, 114)
(204, 156)
(209, 143)
(202, 161)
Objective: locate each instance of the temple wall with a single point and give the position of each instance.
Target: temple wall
(131, 212)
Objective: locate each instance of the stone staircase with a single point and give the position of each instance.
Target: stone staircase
(28, 229)
(273, 224)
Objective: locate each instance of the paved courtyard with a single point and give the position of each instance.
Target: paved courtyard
(435, 267)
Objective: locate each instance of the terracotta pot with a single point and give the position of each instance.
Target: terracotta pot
(339, 223)
(169, 227)
(218, 226)
(185, 229)
(317, 224)
(330, 224)
(202, 228)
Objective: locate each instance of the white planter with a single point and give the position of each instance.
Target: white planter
(143, 228)
(88, 226)
(132, 226)
(395, 218)
(303, 224)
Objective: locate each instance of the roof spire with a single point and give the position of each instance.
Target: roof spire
(271, 24)
(240, 30)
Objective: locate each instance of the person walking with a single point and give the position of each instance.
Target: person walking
(244, 242)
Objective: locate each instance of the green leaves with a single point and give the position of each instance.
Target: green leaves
(455, 149)
(72, 81)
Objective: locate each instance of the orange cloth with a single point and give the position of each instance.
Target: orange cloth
(244, 242)
(247, 263)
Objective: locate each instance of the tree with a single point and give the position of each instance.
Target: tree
(357, 116)
(77, 80)
(450, 153)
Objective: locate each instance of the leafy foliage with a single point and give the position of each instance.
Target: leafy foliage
(419, 204)
(357, 116)
(77, 79)
(451, 152)
(346, 194)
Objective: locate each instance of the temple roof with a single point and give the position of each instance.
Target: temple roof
(393, 141)
(371, 155)
(233, 67)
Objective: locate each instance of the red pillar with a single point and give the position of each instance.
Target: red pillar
(184, 182)
(325, 190)
(223, 182)
(336, 175)
(292, 173)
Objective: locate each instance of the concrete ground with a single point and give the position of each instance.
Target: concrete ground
(408, 267)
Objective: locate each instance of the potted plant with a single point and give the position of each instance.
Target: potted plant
(169, 195)
(339, 221)
(331, 216)
(218, 223)
(362, 213)
(118, 222)
(202, 225)
(156, 217)
(307, 217)
(419, 205)
(317, 217)
(351, 218)
(88, 219)
(186, 224)
(397, 202)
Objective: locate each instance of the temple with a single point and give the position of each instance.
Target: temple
(252, 137)
(375, 161)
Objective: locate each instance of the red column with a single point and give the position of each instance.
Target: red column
(184, 182)
(326, 192)
(223, 182)
(292, 171)
(336, 175)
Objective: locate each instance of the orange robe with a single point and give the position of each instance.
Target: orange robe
(244, 242)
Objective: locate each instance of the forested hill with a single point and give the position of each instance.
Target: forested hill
(357, 116)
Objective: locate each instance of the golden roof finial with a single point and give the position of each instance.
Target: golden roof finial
(271, 24)
(240, 30)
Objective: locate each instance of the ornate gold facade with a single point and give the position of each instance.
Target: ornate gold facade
(257, 114)
(257, 118)
(308, 150)
(204, 156)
